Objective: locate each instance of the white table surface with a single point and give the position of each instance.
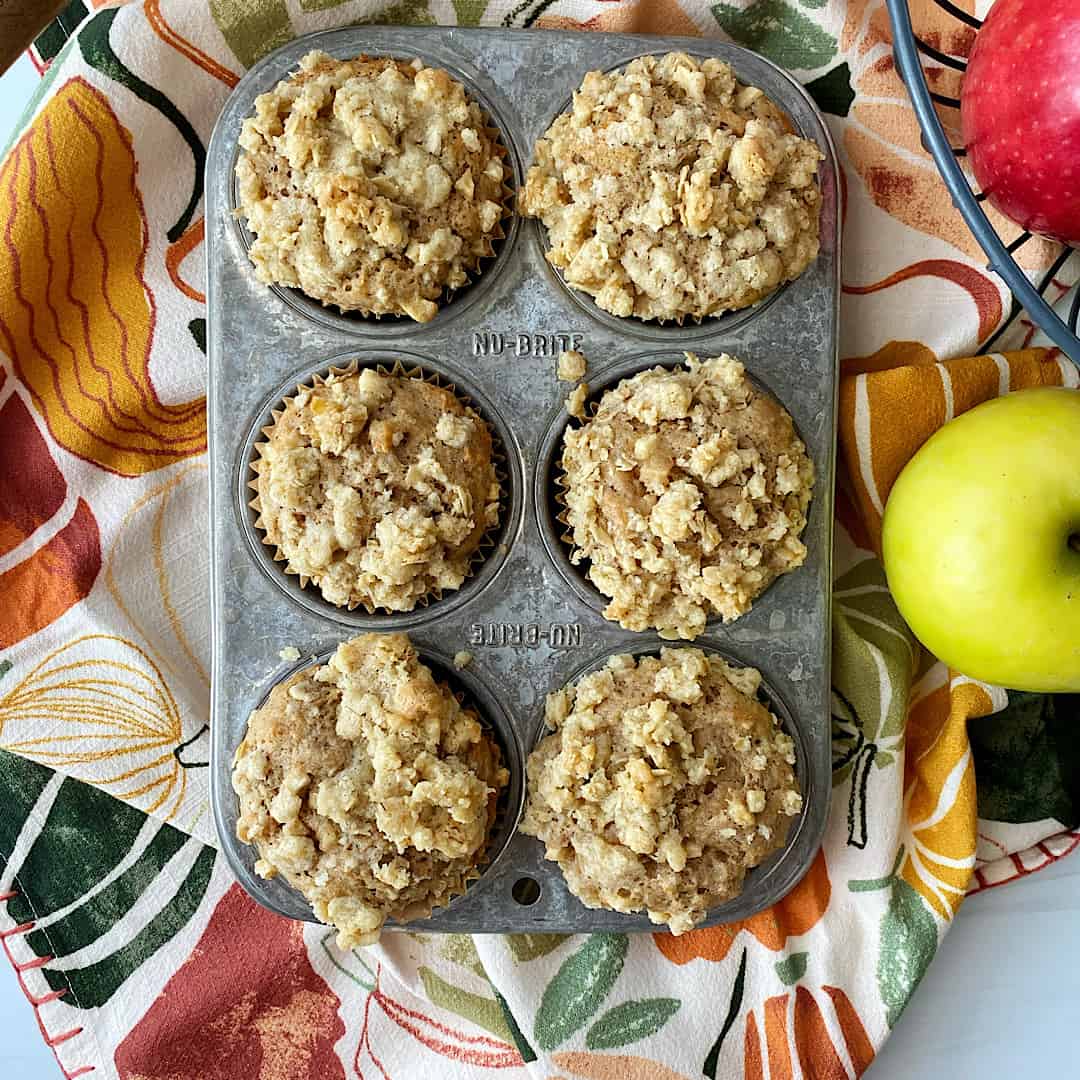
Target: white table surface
(1001, 1001)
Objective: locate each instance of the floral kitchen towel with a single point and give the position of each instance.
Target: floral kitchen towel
(120, 919)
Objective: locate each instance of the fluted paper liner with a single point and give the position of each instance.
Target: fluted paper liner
(497, 814)
(398, 369)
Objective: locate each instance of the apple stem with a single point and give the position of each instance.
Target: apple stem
(1074, 542)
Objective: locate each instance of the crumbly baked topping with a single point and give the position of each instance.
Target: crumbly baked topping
(368, 787)
(378, 488)
(575, 403)
(373, 184)
(687, 492)
(665, 780)
(672, 190)
(571, 365)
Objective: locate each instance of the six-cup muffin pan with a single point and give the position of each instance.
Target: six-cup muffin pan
(530, 618)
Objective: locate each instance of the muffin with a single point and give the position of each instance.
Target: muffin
(664, 781)
(670, 190)
(687, 493)
(368, 787)
(378, 488)
(375, 185)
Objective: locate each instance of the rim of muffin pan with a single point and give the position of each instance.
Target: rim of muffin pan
(491, 557)
(757, 877)
(452, 302)
(691, 328)
(548, 487)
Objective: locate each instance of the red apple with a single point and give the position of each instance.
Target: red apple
(1020, 113)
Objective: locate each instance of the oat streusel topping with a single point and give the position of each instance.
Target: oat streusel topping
(368, 787)
(672, 190)
(571, 365)
(687, 492)
(373, 184)
(378, 488)
(665, 780)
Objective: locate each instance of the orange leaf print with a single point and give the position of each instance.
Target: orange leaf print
(76, 315)
(39, 581)
(859, 1047)
(776, 1039)
(797, 913)
(939, 787)
(640, 18)
(803, 1032)
(876, 448)
(752, 1065)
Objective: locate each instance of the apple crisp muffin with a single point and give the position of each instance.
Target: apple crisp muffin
(378, 488)
(664, 781)
(371, 184)
(687, 492)
(368, 787)
(672, 190)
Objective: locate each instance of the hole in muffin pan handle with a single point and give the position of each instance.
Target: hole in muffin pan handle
(526, 891)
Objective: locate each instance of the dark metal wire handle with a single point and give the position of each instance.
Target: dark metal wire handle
(906, 49)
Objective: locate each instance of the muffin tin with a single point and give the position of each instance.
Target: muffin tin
(529, 617)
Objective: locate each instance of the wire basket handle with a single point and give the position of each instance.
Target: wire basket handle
(906, 48)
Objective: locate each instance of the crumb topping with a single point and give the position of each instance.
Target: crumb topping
(372, 184)
(663, 782)
(368, 787)
(672, 190)
(688, 493)
(571, 365)
(378, 488)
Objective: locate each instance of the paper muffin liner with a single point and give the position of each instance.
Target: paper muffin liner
(497, 836)
(396, 370)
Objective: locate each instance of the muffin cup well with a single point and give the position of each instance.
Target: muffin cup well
(688, 328)
(550, 482)
(781, 862)
(473, 694)
(482, 271)
(487, 560)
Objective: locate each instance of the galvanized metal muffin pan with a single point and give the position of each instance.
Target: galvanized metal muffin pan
(531, 620)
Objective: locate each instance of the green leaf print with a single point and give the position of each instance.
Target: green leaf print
(95, 867)
(470, 12)
(909, 938)
(527, 947)
(832, 91)
(94, 41)
(1027, 759)
(908, 944)
(483, 1011)
(792, 968)
(409, 12)
(579, 988)
(874, 659)
(712, 1059)
(631, 1021)
(366, 979)
(777, 30)
(252, 30)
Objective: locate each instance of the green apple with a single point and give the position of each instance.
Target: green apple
(981, 541)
